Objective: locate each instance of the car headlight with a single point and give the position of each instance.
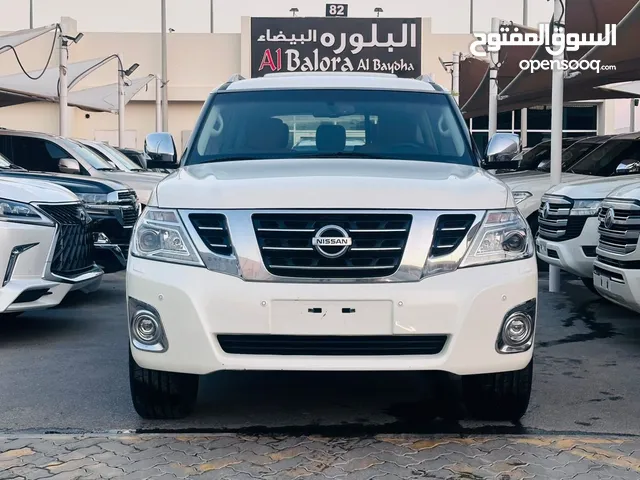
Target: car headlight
(521, 196)
(18, 212)
(585, 208)
(160, 235)
(93, 198)
(503, 236)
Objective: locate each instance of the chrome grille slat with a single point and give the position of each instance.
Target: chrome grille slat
(377, 245)
(621, 237)
(214, 232)
(555, 221)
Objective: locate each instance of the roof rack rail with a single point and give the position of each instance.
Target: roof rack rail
(431, 81)
(235, 78)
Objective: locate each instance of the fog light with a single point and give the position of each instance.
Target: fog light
(517, 333)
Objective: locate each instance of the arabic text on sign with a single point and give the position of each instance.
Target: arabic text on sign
(356, 41)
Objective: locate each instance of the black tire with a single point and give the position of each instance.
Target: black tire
(498, 396)
(161, 395)
(588, 282)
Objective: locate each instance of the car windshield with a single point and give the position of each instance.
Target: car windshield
(89, 156)
(120, 159)
(570, 155)
(604, 160)
(336, 123)
(530, 159)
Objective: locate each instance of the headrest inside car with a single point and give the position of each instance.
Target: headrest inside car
(331, 138)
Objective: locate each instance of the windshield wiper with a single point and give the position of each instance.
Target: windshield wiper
(107, 169)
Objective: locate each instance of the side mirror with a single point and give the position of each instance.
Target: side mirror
(627, 167)
(69, 165)
(161, 149)
(502, 147)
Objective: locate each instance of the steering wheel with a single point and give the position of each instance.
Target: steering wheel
(409, 145)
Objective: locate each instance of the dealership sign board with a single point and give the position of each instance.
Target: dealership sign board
(381, 45)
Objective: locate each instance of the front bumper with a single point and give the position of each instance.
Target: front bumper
(575, 256)
(196, 305)
(25, 280)
(621, 286)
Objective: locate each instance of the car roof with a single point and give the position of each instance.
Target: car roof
(332, 80)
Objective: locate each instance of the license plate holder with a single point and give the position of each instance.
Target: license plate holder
(542, 247)
(339, 317)
(602, 282)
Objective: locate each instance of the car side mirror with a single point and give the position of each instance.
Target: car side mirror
(161, 149)
(627, 167)
(69, 165)
(501, 149)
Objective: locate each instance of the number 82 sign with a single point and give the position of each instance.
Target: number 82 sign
(337, 10)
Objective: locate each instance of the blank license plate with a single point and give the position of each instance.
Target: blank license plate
(308, 317)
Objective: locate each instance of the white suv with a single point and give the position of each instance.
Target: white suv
(568, 224)
(616, 270)
(400, 254)
(45, 246)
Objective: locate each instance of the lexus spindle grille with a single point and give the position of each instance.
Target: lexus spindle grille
(73, 254)
(375, 249)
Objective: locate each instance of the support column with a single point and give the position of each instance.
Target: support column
(493, 83)
(557, 111)
(456, 77)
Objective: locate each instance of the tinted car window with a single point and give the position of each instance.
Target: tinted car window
(603, 161)
(334, 123)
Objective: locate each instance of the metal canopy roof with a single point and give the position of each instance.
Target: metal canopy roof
(582, 16)
(18, 88)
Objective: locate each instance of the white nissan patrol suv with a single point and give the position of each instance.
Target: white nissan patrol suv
(398, 254)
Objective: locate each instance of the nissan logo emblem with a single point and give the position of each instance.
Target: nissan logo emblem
(609, 218)
(331, 241)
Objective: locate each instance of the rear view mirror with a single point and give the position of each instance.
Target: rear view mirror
(161, 149)
(69, 165)
(628, 166)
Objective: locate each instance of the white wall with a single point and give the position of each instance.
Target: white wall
(192, 16)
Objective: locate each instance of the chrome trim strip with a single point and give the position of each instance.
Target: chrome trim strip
(246, 260)
(13, 259)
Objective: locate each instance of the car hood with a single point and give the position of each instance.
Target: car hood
(593, 188)
(331, 183)
(34, 191)
(75, 183)
(142, 183)
(538, 184)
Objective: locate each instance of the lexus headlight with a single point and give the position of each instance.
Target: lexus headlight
(521, 196)
(160, 235)
(18, 212)
(93, 198)
(503, 236)
(585, 208)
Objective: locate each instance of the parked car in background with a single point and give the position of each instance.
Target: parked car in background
(41, 152)
(143, 160)
(616, 270)
(530, 159)
(568, 224)
(578, 159)
(112, 206)
(46, 249)
(119, 159)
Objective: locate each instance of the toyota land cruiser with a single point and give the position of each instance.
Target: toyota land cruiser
(397, 254)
